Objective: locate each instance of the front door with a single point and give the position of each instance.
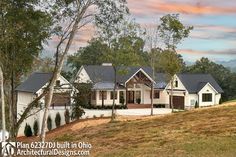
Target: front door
(130, 96)
(178, 102)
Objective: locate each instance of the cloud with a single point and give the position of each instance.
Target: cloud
(213, 32)
(208, 52)
(142, 8)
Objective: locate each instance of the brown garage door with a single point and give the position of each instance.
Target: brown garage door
(178, 102)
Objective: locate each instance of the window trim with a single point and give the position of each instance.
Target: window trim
(104, 95)
(111, 95)
(154, 96)
(176, 83)
(207, 97)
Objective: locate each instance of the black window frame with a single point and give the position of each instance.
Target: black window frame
(176, 83)
(207, 97)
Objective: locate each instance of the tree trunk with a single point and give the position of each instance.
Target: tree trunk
(3, 106)
(171, 95)
(152, 93)
(152, 86)
(114, 91)
(56, 74)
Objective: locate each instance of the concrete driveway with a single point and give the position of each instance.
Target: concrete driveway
(143, 112)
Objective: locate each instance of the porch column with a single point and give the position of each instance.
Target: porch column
(102, 99)
(126, 96)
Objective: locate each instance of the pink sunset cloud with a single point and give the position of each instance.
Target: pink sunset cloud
(209, 52)
(152, 6)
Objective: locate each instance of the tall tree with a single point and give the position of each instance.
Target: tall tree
(77, 14)
(172, 32)
(23, 30)
(126, 50)
(3, 106)
(93, 54)
(171, 64)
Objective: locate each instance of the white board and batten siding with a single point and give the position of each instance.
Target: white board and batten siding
(208, 89)
(82, 76)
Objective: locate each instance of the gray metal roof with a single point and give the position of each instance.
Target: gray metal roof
(103, 86)
(99, 73)
(35, 82)
(103, 74)
(195, 82)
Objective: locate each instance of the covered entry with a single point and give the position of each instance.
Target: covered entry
(134, 97)
(178, 102)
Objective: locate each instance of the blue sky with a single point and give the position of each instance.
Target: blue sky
(214, 21)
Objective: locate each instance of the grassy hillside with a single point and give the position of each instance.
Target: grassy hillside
(204, 132)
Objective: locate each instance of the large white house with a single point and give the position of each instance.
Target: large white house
(134, 86)
(32, 88)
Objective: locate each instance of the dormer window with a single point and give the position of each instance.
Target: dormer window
(176, 83)
(58, 82)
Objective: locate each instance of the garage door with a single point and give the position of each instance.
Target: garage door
(178, 102)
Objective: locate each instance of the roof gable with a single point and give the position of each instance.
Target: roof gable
(207, 84)
(195, 82)
(35, 82)
(100, 73)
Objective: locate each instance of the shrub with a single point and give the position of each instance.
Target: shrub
(58, 119)
(102, 115)
(49, 123)
(94, 116)
(196, 105)
(122, 100)
(77, 112)
(28, 130)
(67, 116)
(138, 100)
(36, 128)
(221, 101)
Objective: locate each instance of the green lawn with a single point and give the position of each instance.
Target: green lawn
(201, 133)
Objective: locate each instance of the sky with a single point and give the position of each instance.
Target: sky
(214, 22)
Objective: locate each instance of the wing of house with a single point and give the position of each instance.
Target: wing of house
(133, 85)
(192, 89)
(33, 87)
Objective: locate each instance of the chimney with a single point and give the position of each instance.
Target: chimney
(106, 64)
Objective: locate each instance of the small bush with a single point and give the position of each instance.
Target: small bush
(67, 116)
(102, 115)
(196, 105)
(49, 123)
(122, 100)
(94, 116)
(77, 113)
(58, 119)
(28, 130)
(221, 101)
(138, 100)
(36, 128)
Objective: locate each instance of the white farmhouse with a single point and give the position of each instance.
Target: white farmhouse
(134, 86)
(32, 88)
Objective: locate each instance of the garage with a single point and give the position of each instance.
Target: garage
(178, 102)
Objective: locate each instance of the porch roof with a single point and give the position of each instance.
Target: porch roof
(105, 86)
